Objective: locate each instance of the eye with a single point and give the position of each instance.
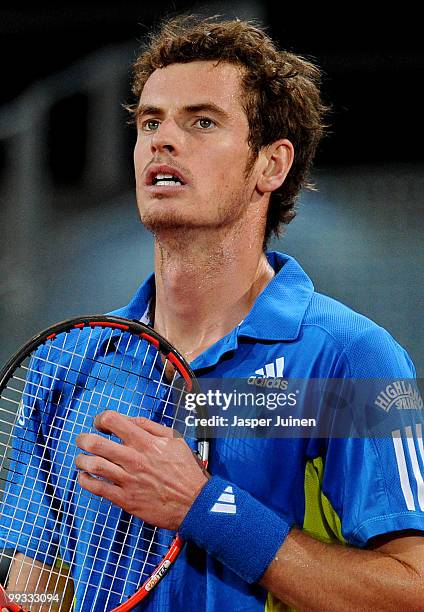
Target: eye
(205, 123)
(150, 125)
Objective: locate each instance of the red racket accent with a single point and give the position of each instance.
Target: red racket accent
(181, 369)
(155, 578)
(9, 605)
(101, 324)
(106, 324)
(150, 339)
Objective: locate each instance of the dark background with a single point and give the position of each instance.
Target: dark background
(374, 62)
(71, 242)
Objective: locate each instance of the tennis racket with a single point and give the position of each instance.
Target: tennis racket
(62, 538)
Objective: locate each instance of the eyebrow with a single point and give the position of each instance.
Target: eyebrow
(202, 107)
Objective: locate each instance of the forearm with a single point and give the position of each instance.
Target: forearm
(26, 575)
(243, 533)
(29, 576)
(259, 546)
(310, 575)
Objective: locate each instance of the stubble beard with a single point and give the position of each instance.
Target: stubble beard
(230, 206)
(173, 226)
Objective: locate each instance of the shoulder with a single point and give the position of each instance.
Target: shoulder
(367, 349)
(337, 320)
(66, 354)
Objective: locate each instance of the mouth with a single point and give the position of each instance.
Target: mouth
(165, 176)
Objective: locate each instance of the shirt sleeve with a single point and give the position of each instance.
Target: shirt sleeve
(374, 479)
(27, 520)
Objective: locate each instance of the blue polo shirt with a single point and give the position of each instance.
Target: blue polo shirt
(344, 490)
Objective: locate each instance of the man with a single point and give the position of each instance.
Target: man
(227, 127)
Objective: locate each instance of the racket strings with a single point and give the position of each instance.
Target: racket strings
(172, 404)
(101, 535)
(130, 586)
(45, 449)
(80, 493)
(87, 359)
(89, 532)
(151, 561)
(142, 571)
(81, 387)
(61, 420)
(62, 374)
(148, 413)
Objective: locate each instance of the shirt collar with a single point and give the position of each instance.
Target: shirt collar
(277, 313)
(138, 308)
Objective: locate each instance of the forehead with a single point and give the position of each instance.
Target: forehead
(180, 85)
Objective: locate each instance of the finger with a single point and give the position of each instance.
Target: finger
(102, 488)
(122, 426)
(134, 431)
(101, 468)
(153, 428)
(108, 449)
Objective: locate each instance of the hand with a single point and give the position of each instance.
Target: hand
(153, 474)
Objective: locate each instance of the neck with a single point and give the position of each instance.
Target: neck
(206, 285)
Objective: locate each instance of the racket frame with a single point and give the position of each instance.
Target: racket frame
(180, 364)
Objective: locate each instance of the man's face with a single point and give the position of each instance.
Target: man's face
(191, 124)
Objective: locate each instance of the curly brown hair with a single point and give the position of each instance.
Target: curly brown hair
(281, 92)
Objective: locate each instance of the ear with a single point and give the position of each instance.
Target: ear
(278, 159)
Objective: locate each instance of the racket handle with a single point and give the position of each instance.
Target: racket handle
(203, 452)
(6, 604)
(158, 574)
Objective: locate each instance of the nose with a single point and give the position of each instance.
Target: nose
(166, 137)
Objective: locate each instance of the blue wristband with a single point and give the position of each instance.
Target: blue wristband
(235, 528)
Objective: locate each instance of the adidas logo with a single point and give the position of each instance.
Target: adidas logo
(226, 502)
(274, 369)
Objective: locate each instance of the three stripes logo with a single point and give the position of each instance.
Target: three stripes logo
(409, 451)
(226, 503)
(275, 369)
